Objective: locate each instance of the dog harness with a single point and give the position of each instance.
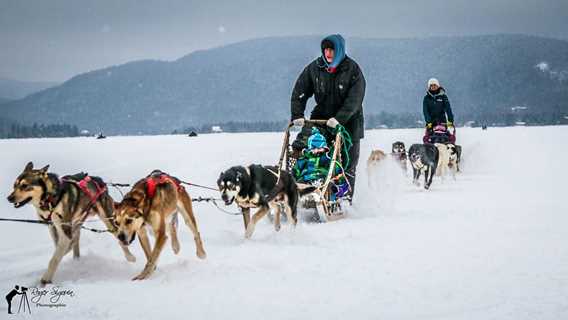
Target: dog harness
(83, 184)
(154, 180)
(51, 201)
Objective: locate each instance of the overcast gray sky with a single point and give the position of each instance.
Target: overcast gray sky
(52, 40)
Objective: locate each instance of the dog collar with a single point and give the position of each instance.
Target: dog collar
(49, 200)
(48, 219)
(48, 204)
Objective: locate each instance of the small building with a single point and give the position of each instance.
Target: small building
(216, 129)
(469, 124)
(192, 134)
(518, 108)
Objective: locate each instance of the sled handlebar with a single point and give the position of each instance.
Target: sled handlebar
(308, 121)
(316, 121)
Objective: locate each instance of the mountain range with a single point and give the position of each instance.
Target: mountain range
(252, 81)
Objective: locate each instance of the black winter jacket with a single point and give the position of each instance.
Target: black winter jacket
(436, 106)
(338, 94)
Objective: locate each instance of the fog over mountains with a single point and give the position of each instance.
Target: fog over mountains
(15, 89)
(252, 81)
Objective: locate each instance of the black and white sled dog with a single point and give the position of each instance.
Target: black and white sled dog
(423, 158)
(258, 186)
(455, 157)
(399, 154)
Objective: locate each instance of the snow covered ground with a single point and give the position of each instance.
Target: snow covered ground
(491, 245)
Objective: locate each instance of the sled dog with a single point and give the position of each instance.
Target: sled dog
(153, 203)
(64, 203)
(423, 158)
(399, 154)
(260, 187)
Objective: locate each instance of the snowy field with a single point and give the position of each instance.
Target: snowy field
(491, 245)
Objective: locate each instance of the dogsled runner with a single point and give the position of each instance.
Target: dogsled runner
(322, 168)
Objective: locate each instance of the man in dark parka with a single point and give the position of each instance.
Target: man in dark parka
(338, 86)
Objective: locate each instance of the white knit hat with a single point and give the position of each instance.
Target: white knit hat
(433, 81)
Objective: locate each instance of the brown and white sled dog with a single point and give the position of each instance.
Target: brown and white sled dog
(373, 163)
(153, 203)
(65, 204)
(258, 186)
(376, 157)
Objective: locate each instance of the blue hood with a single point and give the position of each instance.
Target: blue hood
(316, 140)
(339, 48)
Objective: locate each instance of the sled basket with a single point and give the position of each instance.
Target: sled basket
(329, 199)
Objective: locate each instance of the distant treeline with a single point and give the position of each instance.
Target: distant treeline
(10, 129)
(494, 119)
(401, 120)
(237, 126)
(527, 117)
(381, 120)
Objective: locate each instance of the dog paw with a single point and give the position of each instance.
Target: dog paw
(175, 247)
(249, 233)
(201, 254)
(43, 282)
(277, 227)
(148, 270)
(140, 276)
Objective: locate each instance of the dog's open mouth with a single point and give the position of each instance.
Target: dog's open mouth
(22, 203)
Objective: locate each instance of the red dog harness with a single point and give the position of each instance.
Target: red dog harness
(51, 202)
(83, 184)
(153, 181)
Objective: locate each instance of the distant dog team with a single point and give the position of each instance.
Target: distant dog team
(428, 159)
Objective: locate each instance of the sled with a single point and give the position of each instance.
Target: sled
(441, 134)
(323, 202)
